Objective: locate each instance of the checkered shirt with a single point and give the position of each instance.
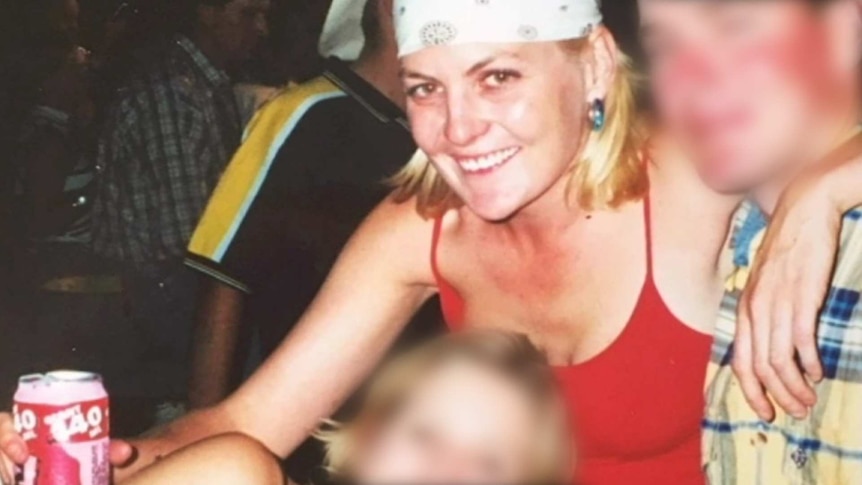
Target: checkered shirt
(167, 140)
(826, 447)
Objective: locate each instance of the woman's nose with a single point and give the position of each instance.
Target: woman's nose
(463, 121)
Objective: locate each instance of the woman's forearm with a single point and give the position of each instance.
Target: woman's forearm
(362, 308)
(838, 179)
(846, 176)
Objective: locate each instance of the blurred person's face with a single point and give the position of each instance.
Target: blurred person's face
(502, 123)
(117, 23)
(742, 84)
(238, 26)
(68, 88)
(72, 13)
(64, 17)
(463, 424)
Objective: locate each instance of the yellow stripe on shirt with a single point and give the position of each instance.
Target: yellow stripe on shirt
(245, 174)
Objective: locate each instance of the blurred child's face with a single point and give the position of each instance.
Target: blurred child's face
(463, 424)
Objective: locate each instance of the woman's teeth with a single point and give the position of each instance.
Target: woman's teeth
(487, 162)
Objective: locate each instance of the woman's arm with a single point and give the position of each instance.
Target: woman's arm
(380, 280)
(778, 311)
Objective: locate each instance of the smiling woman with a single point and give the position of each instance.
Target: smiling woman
(610, 171)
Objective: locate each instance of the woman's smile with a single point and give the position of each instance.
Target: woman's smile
(488, 162)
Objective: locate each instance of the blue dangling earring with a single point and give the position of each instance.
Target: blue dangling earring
(597, 114)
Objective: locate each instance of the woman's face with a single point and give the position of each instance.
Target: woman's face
(502, 123)
(463, 424)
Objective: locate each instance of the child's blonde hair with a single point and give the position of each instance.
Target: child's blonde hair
(609, 173)
(509, 355)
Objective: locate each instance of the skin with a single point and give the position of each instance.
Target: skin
(72, 11)
(64, 16)
(216, 334)
(452, 120)
(757, 91)
(226, 459)
(219, 316)
(463, 424)
(530, 225)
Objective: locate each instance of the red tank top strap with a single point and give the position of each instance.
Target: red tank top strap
(435, 242)
(648, 233)
(451, 302)
(646, 159)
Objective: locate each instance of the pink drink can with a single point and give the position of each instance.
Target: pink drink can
(64, 418)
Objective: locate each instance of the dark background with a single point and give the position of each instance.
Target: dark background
(295, 26)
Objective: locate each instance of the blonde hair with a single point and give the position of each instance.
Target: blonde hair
(610, 171)
(511, 356)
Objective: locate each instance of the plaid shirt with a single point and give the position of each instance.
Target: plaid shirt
(826, 447)
(168, 138)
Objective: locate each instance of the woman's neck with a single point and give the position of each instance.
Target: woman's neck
(552, 213)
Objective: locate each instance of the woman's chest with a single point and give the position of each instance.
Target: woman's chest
(572, 303)
(576, 297)
(641, 400)
(632, 373)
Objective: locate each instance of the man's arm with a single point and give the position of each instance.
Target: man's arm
(778, 311)
(214, 343)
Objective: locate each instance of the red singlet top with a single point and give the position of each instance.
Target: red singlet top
(637, 406)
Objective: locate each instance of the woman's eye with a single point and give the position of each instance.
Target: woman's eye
(499, 78)
(421, 90)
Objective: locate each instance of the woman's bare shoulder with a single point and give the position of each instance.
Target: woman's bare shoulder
(395, 232)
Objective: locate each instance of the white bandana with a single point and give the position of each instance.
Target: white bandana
(426, 23)
(342, 33)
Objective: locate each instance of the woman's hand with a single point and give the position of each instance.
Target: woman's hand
(777, 314)
(130, 457)
(14, 452)
(126, 457)
(775, 349)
